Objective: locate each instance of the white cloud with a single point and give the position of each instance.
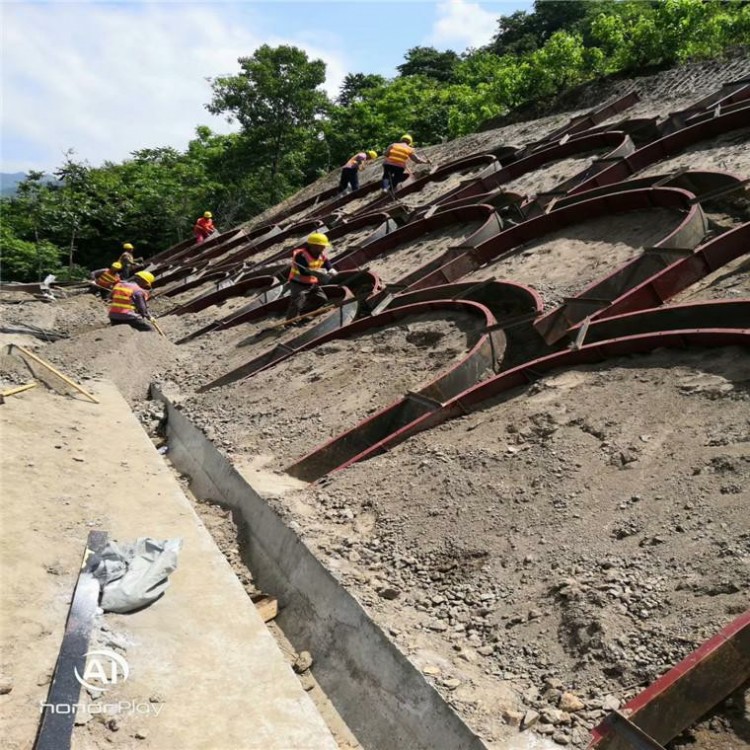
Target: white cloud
(107, 79)
(462, 24)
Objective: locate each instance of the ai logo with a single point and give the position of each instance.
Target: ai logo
(104, 669)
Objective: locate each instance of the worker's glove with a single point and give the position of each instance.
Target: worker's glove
(333, 272)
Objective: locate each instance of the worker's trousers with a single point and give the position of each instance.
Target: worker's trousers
(304, 298)
(138, 323)
(393, 176)
(349, 176)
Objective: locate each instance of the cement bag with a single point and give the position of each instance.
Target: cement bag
(134, 575)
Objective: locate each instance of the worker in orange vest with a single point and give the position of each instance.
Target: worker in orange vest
(350, 171)
(104, 279)
(129, 302)
(394, 166)
(310, 268)
(204, 227)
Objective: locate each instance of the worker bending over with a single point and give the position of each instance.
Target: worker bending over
(394, 166)
(350, 171)
(129, 302)
(128, 262)
(104, 279)
(204, 228)
(310, 269)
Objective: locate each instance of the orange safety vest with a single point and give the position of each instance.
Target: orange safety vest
(312, 262)
(107, 279)
(204, 226)
(356, 161)
(398, 154)
(122, 298)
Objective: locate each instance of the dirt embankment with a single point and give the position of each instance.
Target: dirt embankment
(563, 263)
(286, 411)
(581, 534)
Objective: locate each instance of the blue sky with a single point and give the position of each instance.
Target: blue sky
(106, 78)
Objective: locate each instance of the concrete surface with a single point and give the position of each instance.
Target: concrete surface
(200, 656)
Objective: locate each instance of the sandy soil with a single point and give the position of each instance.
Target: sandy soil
(408, 257)
(284, 412)
(563, 263)
(731, 281)
(550, 175)
(559, 533)
(437, 188)
(729, 152)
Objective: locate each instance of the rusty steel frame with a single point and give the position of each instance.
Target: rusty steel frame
(483, 355)
(217, 296)
(666, 147)
(475, 397)
(686, 692)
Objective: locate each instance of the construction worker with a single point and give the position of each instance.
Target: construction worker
(104, 279)
(204, 227)
(128, 262)
(350, 171)
(310, 269)
(394, 166)
(129, 302)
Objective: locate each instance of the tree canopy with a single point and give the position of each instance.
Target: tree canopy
(291, 133)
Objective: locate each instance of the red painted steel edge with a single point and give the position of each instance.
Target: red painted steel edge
(510, 240)
(528, 372)
(215, 297)
(661, 687)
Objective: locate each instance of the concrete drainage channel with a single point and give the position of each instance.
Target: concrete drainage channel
(380, 694)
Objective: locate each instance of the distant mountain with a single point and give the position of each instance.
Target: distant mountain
(9, 181)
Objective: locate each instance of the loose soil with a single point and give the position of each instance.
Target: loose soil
(563, 263)
(410, 256)
(729, 152)
(558, 539)
(435, 189)
(549, 176)
(288, 410)
(730, 281)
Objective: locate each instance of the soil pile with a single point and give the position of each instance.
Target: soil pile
(559, 539)
(288, 410)
(563, 263)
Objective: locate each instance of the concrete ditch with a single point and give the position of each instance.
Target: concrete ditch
(381, 695)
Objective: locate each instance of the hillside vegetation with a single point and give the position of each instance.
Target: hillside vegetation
(291, 133)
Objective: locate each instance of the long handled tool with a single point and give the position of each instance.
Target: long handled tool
(18, 389)
(158, 327)
(54, 370)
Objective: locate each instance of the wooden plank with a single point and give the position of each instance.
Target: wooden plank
(268, 607)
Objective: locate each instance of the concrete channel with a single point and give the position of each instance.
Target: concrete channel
(384, 699)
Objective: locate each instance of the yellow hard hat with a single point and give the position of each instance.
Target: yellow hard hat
(407, 139)
(316, 238)
(127, 246)
(116, 266)
(208, 215)
(147, 276)
(372, 154)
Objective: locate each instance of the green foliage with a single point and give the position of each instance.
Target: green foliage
(291, 134)
(21, 260)
(429, 62)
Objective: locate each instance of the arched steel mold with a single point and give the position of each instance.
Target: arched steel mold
(682, 273)
(197, 253)
(728, 96)
(356, 445)
(509, 241)
(344, 314)
(245, 240)
(192, 282)
(685, 693)
(218, 296)
(438, 175)
(246, 253)
(622, 169)
(179, 273)
(382, 223)
(359, 257)
(604, 292)
(483, 356)
(617, 146)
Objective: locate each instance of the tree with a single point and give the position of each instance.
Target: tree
(356, 86)
(276, 100)
(429, 62)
